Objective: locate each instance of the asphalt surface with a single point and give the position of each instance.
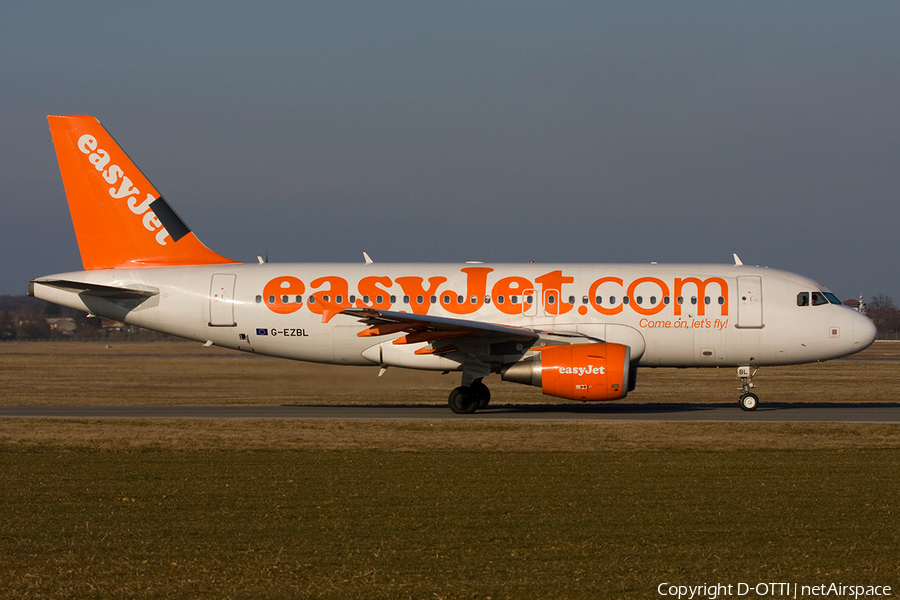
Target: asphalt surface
(811, 413)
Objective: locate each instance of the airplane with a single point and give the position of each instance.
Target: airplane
(577, 331)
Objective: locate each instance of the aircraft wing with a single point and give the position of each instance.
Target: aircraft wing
(435, 330)
(383, 322)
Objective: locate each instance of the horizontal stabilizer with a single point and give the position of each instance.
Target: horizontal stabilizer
(107, 292)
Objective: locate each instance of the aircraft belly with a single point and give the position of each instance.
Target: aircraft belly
(298, 339)
(710, 347)
(667, 348)
(349, 347)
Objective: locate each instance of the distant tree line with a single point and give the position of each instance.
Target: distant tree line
(886, 316)
(25, 318)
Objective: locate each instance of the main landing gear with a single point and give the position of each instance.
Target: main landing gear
(749, 400)
(466, 399)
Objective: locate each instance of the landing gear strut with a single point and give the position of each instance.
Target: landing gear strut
(749, 400)
(466, 399)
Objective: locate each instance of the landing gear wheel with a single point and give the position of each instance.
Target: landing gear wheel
(749, 402)
(482, 393)
(462, 401)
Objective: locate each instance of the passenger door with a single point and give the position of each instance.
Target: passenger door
(750, 307)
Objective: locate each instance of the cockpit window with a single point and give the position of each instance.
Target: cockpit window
(818, 299)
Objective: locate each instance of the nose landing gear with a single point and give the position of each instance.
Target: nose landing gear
(748, 400)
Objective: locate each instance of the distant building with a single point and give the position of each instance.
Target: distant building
(856, 304)
(64, 325)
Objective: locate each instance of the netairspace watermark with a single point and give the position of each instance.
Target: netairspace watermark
(714, 591)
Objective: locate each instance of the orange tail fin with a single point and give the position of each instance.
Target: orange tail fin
(120, 219)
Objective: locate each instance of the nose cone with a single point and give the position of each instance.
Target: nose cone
(864, 332)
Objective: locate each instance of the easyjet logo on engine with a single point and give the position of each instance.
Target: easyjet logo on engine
(580, 371)
(511, 295)
(126, 191)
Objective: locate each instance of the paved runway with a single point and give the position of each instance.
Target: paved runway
(812, 413)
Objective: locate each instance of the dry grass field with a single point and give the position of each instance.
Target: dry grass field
(206, 508)
(91, 373)
(377, 524)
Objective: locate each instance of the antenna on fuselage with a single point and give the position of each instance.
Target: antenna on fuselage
(737, 260)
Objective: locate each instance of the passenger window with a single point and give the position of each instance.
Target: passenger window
(406, 300)
(571, 299)
(599, 299)
(419, 299)
(299, 299)
(721, 301)
(271, 299)
(339, 299)
(379, 299)
(803, 299)
(258, 299)
(585, 300)
(500, 299)
(640, 299)
(551, 299)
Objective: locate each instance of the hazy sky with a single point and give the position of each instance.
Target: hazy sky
(422, 131)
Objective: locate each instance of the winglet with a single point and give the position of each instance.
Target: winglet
(120, 219)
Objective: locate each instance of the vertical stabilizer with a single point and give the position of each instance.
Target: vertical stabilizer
(120, 219)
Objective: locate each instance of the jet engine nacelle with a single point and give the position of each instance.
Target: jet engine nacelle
(576, 372)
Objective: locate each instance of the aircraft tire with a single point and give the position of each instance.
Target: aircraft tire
(462, 401)
(749, 402)
(482, 393)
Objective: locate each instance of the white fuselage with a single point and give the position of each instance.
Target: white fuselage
(669, 315)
